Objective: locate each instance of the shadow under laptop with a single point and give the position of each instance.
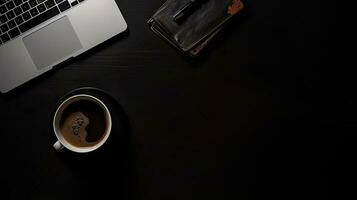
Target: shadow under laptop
(40, 79)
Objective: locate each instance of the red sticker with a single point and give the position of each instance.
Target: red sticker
(235, 7)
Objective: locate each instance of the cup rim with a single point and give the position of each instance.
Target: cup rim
(63, 141)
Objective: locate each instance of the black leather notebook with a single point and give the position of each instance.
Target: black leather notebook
(199, 26)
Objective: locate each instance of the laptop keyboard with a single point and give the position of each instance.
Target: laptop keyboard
(19, 16)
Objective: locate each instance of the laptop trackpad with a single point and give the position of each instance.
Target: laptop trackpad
(52, 43)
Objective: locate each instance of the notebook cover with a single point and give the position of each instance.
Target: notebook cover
(192, 52)
(205, 21)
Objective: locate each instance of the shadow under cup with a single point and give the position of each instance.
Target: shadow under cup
(97, 113)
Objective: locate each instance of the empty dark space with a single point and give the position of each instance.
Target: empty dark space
(267, 111)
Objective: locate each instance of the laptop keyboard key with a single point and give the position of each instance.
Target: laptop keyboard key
(26, 16)
(34, 12)
(74, 3)
(25, 6)
(10, 5)
(14, 32)
(5, 37)
(11, 24)
(41, 8)
(64, 6)
(39, 19)
(18, 2)
(50, 3)
(3, 19)
(33, 3)
(10, 14)
(4, 28)
(18, 11)
(3, 9)
(58, 1)
(40, 1)
(19, 20)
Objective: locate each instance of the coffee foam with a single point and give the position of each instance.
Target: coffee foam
(74, 130)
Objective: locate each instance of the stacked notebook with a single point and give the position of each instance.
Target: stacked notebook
(189, 25)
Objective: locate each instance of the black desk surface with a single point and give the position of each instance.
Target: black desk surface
(258, 115)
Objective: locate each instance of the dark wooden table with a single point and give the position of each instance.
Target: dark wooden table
(258, 115)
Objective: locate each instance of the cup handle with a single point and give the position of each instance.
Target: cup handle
(58, 146)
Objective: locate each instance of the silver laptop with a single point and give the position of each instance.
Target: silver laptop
(36, 35)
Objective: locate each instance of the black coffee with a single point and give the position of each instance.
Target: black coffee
(83, 123)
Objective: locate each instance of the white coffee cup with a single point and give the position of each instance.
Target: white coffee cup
(62, 143)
